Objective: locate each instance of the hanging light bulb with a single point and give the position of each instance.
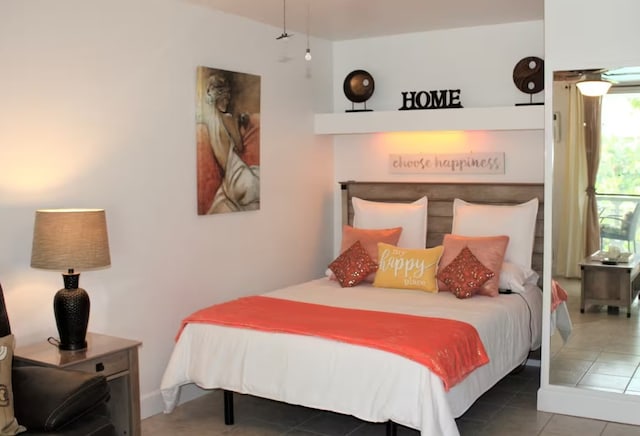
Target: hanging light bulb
(307, 54)
(592, 85)
(594, 88)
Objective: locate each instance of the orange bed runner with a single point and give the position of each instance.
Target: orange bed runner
(450, 349)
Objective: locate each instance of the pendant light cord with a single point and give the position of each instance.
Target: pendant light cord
(284, 17)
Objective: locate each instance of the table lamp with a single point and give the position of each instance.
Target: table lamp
(70, 240)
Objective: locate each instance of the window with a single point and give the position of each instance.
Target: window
(618, 180)
(619, 171)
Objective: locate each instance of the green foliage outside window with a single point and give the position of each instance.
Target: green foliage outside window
(619, 170)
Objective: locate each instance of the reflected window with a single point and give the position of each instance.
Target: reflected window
(618, 180)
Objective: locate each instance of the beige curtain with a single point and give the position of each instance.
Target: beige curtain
(592, 127)
(573, 182)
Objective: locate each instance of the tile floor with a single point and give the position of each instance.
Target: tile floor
(509, 408)
(602, 353)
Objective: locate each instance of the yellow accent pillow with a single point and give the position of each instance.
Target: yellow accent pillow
(407, 268)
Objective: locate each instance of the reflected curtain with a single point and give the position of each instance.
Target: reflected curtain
(592, 128)
(571, 243)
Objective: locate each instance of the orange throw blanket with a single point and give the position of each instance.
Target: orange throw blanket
(450, 349)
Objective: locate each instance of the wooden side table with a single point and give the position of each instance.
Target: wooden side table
(611, 285)
(115, 358)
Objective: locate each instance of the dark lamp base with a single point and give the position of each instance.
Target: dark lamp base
(73, 346)
(71, 309)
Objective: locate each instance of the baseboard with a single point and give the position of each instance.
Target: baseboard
(152, 404)
(606, 406)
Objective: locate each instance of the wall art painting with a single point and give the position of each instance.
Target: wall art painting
(227, 140)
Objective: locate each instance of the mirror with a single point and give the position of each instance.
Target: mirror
(602, 351)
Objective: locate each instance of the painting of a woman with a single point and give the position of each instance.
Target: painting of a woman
(228, 137)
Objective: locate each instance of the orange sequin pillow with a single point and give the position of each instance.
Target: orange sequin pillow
(369, 239)
(353, 265)
(489, 250)
(465, 274)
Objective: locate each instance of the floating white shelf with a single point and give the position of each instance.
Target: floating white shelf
(491, 118)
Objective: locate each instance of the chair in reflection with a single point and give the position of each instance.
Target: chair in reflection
(621, 228)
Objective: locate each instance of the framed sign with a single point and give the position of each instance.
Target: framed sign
(462, 163)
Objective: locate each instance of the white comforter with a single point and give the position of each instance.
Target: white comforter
(370, 384)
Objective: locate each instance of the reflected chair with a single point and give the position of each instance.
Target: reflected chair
(55, 401)
(621, 228)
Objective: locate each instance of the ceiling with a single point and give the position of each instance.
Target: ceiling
(339, 20)
(625, 76)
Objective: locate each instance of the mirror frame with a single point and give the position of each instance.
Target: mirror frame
(569, 400)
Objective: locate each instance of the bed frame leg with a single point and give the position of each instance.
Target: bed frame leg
(228, 407)
(392, 428)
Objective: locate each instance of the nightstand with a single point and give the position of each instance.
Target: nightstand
(613, 285)
(115, 358)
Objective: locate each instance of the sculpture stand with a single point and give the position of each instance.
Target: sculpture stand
(353, 109)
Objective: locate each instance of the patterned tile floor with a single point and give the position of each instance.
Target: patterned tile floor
(603, 351)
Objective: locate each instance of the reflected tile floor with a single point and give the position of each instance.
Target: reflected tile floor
(603, 351)
(509, 408)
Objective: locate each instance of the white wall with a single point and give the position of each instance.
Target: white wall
(583, 34)
(478, 60)
(98, 110)
(365, 157)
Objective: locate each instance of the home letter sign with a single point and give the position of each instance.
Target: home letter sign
(442, 99)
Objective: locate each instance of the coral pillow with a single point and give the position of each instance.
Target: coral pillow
(465, 274)
(489, 250)
(406, 268)
(369, 239)
(353, 266)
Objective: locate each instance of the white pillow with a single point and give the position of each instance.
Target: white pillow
(518, 222)
(412, 217)
(514, 277)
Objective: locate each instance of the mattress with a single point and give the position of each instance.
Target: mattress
(370, 384)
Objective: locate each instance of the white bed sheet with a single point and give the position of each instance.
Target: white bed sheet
(370, 384)
(561, 320)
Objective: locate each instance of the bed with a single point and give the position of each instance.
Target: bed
(365, 382)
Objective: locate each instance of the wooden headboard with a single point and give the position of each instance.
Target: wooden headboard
(440, 208)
